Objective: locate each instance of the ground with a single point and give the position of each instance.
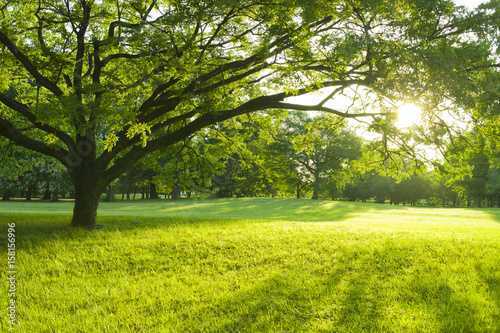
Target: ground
(260, 265)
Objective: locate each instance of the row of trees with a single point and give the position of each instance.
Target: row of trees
(281, 155)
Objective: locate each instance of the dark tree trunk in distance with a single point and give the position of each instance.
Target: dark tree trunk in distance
(46, 193)
(153, 194)
(110, 194)
(6, 196)
(315, 195)
(176, 192)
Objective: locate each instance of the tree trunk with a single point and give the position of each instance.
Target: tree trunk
(46, 193)
(29, 193)
(153, 194)
(87, 194)
(176, 192)
(6, 196)
(315, 195)
(110, 194)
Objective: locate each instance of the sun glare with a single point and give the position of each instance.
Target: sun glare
(408, 115)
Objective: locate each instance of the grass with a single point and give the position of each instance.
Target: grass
(258, 265)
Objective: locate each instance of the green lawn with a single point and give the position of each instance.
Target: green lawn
(258, 265)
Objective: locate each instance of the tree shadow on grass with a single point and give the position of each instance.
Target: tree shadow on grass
(491, 277)
(345, 298)
(302, 210)
(34, 228)
(351, 297)
(292, 301)
(455, 311)
(493, 212)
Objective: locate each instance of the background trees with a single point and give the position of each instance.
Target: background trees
(320, 147)
(472, 164)
(26, 174)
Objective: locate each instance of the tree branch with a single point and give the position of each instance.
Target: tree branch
(10, 132)
(257, 104)
(80, 50)
(30, 67)
(24, 110)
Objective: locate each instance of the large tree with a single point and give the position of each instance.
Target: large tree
(98, 85)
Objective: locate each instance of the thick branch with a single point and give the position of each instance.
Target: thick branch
(10, 132)
(270, 50)
(257, 104)
(30, 67)
(299, 107)
(80, 50)
(24, 111)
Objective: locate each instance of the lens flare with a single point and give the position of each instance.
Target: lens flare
(408, 115)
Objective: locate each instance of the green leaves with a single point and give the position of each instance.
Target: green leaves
(140, 130)
(110, 141)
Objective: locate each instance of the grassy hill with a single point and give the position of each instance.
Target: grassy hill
(262, 265)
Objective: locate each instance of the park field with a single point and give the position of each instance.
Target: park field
(254, 265)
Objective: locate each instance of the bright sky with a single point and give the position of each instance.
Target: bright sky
(469, 3)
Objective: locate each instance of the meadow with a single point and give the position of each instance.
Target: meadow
(254, 265)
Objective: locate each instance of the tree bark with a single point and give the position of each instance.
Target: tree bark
(87, 193)
(110, 194)
(153, 194)
(176, 192)
(46, 193)
(315, 195)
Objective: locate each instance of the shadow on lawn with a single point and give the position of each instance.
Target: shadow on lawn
(493, 212)
(491, 278)
(296, 300)
(350, 297)
(302, 210)
(37, 228)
